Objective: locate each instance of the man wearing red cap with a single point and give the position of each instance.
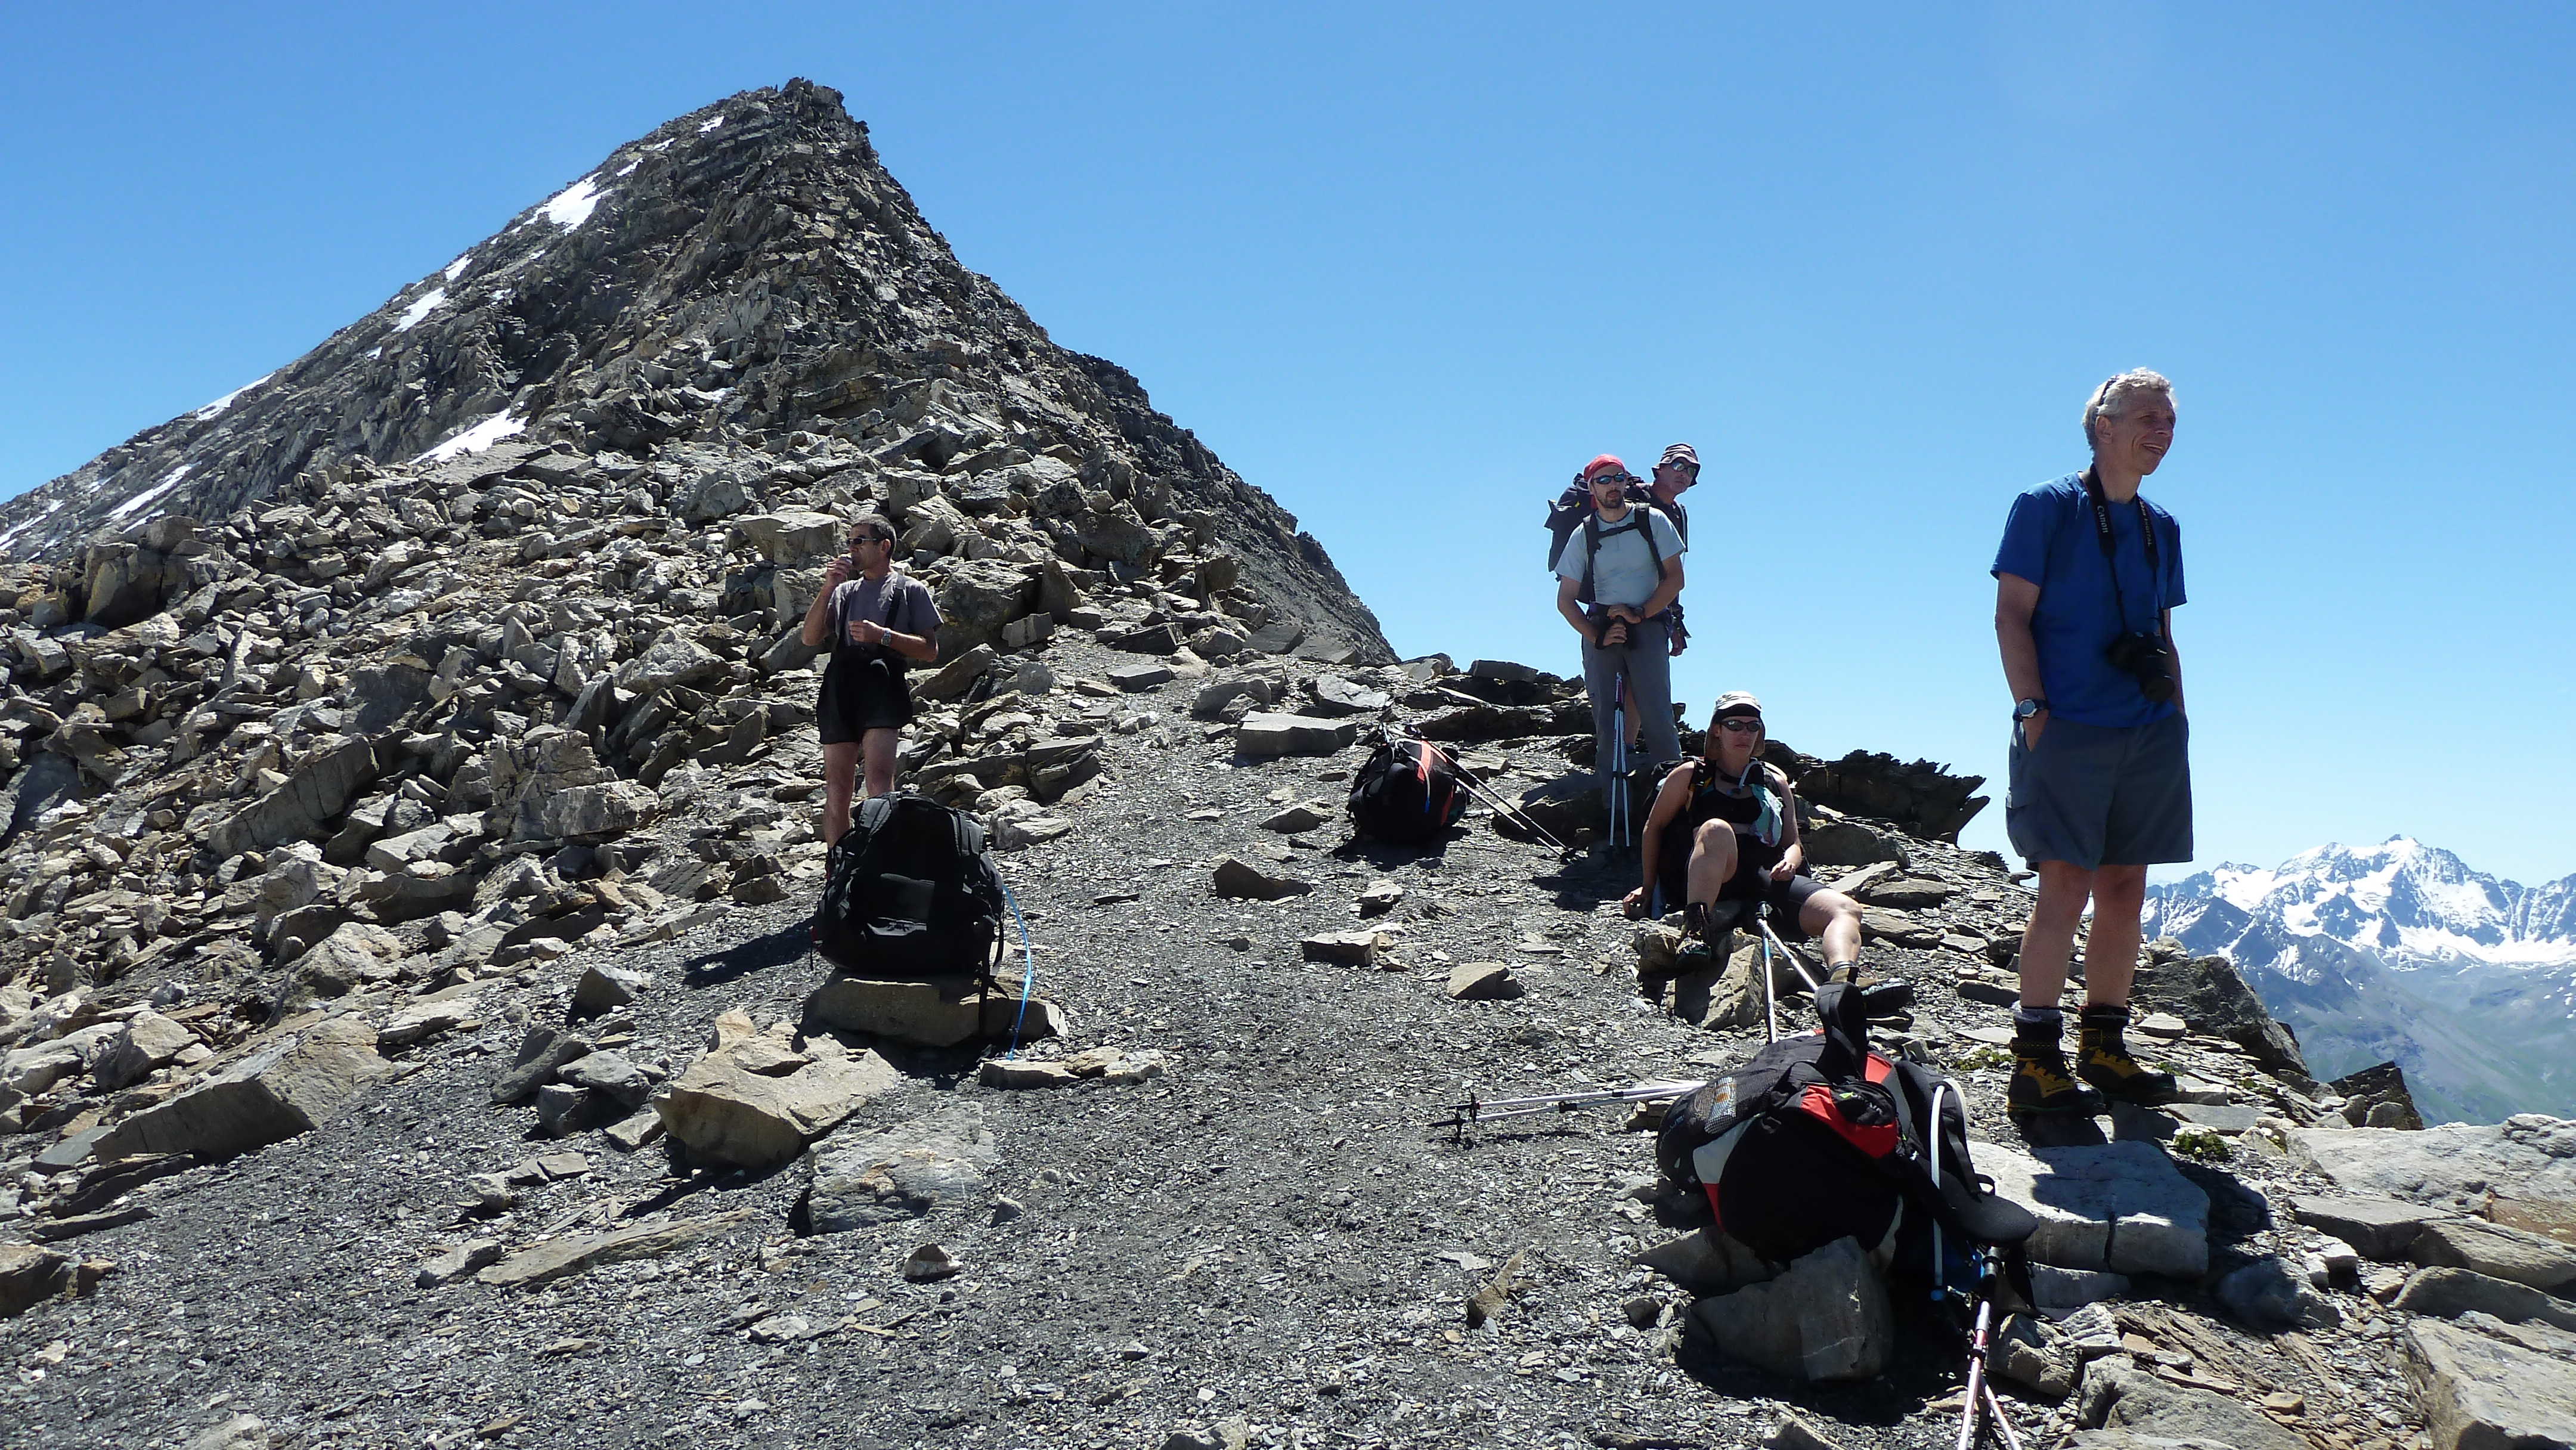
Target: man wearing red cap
(1615, 576)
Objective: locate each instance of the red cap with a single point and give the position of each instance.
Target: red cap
(1606, 463)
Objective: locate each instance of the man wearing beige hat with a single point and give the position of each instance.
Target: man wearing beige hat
(1675, 472)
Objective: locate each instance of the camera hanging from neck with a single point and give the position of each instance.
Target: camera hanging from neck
(2101, 502)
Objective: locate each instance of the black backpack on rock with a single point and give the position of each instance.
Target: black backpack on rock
(910, 892)
(1818, 1137)
(1407, 793)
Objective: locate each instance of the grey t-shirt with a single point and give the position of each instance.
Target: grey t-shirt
(898, 601)
(1627, 573)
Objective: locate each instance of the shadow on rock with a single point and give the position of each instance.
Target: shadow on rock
(777, 949)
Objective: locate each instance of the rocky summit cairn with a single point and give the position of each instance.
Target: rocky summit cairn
(408, 1032)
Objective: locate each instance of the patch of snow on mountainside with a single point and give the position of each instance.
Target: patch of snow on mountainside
(457, 268)
(413, 314)
(144, 498)
(573, 205)
(226, 401)
(475, 439)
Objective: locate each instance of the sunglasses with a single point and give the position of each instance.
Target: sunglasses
(858, 539)
(1618, 478)
(1740, 726)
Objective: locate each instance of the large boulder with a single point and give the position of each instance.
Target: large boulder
(1826, 1319)
(318, 789)
(2213, 1000)
(2480, 1391)
(275, 1093)
(2381, 1229)
(671, 659)
(147, 1041)
(2119, 1206)
(791, 537)
(758, 1102)
(902, 1171)
(977, 598)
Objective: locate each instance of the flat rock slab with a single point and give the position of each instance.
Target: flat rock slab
(902, 1171)
(2381, 1229)
(560, 1257)
(1133, 678)
(271, 1095)
(2527, 1156)
(2119, 1206)
(1353, 948)
(1484, 982)
(941, 1012)
(2497, 1252)
(2144, 1405)
(1267, 733)
(2478, 1391)
(2450, 1293)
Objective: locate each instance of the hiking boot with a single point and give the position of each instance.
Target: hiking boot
(2040, 1083)
(1879, 996)
(2102, 1059)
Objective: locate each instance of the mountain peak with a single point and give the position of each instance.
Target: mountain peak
(740, 277)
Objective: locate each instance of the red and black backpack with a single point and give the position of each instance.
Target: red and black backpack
(1818, 1137)
(1407, 792)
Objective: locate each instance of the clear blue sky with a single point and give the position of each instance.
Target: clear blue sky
(1407, 267)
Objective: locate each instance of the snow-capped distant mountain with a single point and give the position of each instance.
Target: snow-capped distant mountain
(2402, 896)
(2401, 952)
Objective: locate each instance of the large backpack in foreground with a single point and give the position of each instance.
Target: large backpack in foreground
(1408, 792)
(910, 892)
(1817, 1138)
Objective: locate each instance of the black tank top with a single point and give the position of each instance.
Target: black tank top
(1710, 803)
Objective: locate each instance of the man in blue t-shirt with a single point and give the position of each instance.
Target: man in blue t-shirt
(2085, 585)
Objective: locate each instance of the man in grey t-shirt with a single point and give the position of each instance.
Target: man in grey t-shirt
(875, 621)
(1637, 571)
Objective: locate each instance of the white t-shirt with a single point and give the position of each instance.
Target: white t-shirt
(1627, 573)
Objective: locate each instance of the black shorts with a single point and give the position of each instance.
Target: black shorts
(1787, 898)
(860, 695)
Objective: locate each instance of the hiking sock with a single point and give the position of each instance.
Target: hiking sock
(2102, 1059)
(1695, 919)
(2040, 1082)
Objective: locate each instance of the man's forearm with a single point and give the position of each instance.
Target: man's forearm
(1667, 589)
(2021, 657)
(817, 620)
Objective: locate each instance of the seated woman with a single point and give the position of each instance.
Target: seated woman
(1724, 832)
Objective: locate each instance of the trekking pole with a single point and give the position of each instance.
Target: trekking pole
(1981, 1393)
(1797, 959)
(1474, 1110)
(1770, 1008)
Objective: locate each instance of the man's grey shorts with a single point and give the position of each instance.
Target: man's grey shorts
(2102, 795)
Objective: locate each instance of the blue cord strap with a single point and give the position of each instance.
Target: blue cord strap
(1029, 973)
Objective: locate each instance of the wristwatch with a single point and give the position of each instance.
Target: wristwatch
(2024, 709)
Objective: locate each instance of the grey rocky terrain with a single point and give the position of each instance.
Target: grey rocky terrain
(408, 1033)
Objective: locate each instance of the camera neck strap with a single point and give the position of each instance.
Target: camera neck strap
(2101, 503)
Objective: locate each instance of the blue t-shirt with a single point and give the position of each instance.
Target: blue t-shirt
(2050, 539)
